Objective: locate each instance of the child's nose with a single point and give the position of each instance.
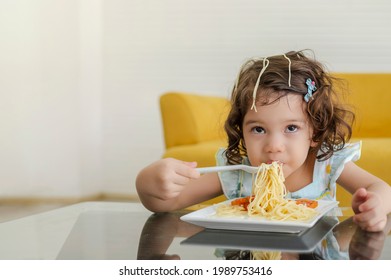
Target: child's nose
(275, 144)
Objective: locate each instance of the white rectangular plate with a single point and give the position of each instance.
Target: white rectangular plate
(207, 218)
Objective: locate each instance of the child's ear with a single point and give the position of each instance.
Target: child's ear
(313, 143)
(243, 143)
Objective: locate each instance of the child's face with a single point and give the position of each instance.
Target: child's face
(278, 132)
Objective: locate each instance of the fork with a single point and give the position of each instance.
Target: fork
(247, 168)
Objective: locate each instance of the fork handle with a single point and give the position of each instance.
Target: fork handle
(212, 169)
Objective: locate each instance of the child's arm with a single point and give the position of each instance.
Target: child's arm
(371, 201)
(171, 184)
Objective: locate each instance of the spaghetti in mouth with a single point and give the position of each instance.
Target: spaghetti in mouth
(268, 199)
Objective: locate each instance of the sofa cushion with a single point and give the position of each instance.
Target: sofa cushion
(376, 156)
(369, 94)
(203, 152)
(191, 119)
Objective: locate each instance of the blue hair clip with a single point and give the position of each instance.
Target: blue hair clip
(311, 88)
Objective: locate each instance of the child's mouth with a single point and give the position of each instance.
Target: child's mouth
(271, 161)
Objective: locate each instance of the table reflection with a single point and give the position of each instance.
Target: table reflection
(336, 238)
(158, 233)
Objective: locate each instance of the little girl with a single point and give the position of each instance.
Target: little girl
(284, 108)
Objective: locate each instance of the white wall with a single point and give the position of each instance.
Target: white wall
(80, 80)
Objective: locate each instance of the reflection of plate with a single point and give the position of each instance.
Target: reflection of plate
(304, 241)
(206, 218)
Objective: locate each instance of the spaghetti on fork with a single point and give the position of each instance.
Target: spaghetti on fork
(268, 199)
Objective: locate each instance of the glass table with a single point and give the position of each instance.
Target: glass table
(127, 231)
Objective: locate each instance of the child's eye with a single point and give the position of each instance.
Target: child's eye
(292, 128)
(258, 129)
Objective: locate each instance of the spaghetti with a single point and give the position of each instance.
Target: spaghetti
(268, 199)
(266, 255)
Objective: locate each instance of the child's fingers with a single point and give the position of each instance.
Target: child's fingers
(192, 164)
(370, 220)
(364, 218)
(358, 198)
(372, 225)
(371, 201)
(367, 205)
(360, 194)
(379, 226)
(187, 169)
(181, 179)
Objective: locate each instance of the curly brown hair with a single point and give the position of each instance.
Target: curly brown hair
(287, 74)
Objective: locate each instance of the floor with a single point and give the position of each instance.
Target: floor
(12, 211)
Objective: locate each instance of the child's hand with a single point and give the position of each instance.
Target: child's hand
(370, 214)
(166, 178)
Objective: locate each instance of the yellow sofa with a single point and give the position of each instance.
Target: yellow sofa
(193, 125)
(371, 98)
